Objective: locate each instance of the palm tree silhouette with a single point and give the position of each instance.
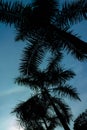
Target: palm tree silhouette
(47, 22)
(36, 114)
(51, 81)
(46, 27)
(80, 122)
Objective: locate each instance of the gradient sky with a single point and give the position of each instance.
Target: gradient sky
(11, 94)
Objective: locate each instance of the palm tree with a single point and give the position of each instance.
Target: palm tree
(51, 81)
(36, 114)
(46, 27)
(45, 21)
(80, 122)
(60, 109)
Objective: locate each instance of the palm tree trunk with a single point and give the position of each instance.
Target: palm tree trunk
(62, 120)
(45, 123)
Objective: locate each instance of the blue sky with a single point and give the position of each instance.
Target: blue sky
(11, 94)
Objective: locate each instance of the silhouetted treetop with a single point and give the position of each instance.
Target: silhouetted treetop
(48, 22)
(81, 121)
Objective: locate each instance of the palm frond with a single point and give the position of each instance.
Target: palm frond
(22, 81)
(54, 61)
(59, 76)
(72, 12)
(32, 105)
(73, 44)
(28, 82)
(10, 13)
(32, 57)
(55, 77)
(67, 90)
(27, 25)
(66, 74)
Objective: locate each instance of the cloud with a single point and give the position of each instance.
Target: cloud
(11, 91)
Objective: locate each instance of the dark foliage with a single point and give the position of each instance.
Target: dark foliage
(45, 26)
(81, 121)
(46, 22)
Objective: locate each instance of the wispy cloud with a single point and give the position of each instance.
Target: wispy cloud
(11, 91)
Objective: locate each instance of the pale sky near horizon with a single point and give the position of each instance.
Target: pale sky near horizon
(11, 94)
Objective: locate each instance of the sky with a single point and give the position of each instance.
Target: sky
(11, 94)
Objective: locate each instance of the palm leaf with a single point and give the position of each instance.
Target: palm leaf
(32, 57)
(72, 12)
(58, 76)
(54, 61)
(67, 40)
(67, 90)
(28, 82)
(10, 13)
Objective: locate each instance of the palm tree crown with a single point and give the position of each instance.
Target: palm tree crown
(45, 21)
(36, 113)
